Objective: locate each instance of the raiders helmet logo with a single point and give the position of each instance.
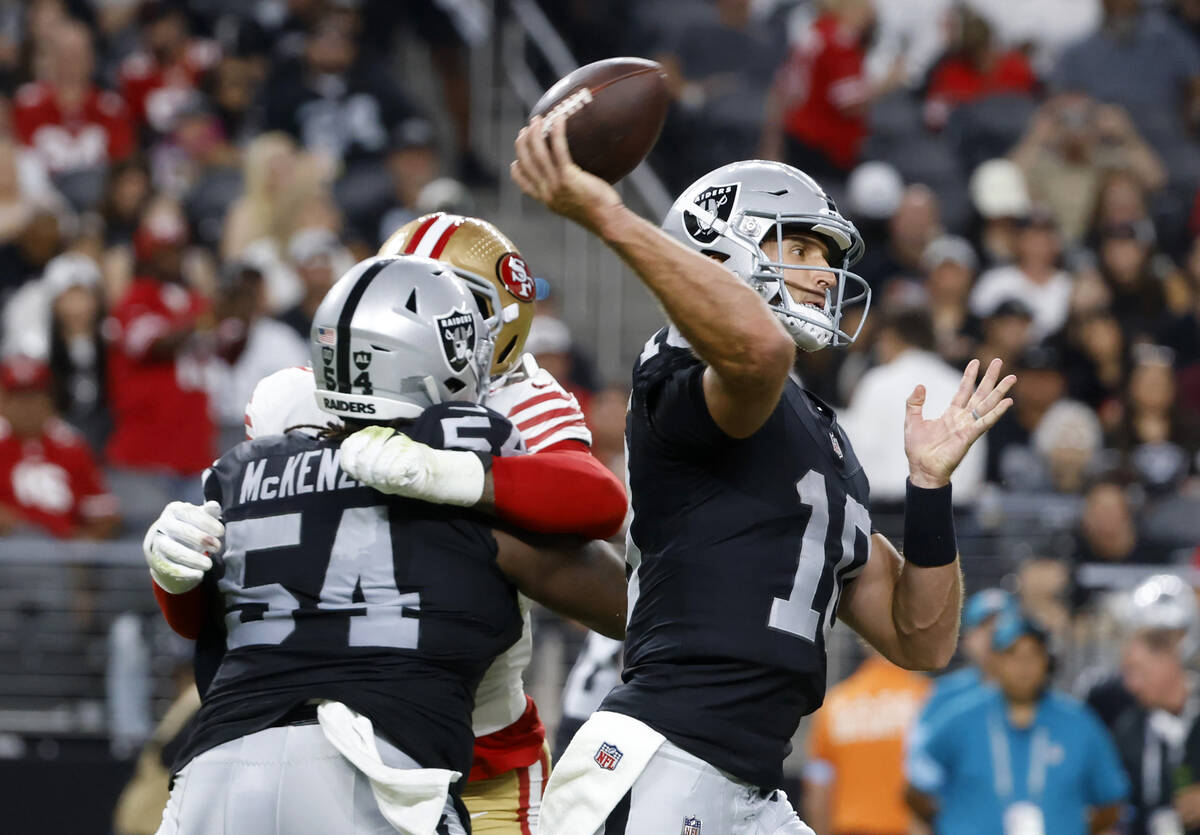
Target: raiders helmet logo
(515, 275)
(327, 355)
(719, 200)
(457, 329)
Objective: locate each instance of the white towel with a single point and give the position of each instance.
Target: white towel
(597, 769)
(412, 799)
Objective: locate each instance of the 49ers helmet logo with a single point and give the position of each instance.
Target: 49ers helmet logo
(516, 278)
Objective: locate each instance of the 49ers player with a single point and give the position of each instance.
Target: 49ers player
(560, 488)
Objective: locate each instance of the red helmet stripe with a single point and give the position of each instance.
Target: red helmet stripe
(436, 252)
(420, 233)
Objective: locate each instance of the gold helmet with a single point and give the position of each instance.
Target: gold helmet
(477, 249)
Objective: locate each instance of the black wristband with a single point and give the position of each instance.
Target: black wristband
(485, 458)
(929, 539)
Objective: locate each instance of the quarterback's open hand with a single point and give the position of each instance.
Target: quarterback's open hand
(395, 464)
(179, 544)
(545, 171)
(935, 447)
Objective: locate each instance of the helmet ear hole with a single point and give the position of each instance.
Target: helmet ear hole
(454, 385)
(411, 304)
(503, 354)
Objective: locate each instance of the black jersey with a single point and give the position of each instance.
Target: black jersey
(331, 590)
(1161, 754)
(738, 550)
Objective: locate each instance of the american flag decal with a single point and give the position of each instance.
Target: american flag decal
(327, 336)
(608, 756)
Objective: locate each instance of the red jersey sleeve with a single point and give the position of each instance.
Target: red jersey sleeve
(561, 490)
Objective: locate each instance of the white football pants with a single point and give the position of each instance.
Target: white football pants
(677, 791)
(282, 781)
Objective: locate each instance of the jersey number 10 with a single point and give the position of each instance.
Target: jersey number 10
(800, 613)
(360, 556)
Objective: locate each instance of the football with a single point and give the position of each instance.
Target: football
(614, 109)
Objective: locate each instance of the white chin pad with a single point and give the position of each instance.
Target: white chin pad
(807, 335)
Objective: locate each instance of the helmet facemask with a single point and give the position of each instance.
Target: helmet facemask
(811, 328)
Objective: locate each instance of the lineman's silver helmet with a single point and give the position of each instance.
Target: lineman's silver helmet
(1165, 602)
(395, 335)
(732, 210)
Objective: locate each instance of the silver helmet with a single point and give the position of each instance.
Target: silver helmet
(730, 212)
(1164, 602)
(395, 335)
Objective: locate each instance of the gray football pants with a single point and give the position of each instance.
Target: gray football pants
(282, 781)
(678, 792)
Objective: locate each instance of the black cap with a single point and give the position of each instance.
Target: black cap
(1040, 358)
(1012, 307)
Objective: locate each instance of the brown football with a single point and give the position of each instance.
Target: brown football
(615, 110)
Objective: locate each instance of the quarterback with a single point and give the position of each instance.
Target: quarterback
(751, 526)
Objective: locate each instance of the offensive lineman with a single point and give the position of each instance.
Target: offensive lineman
(750, 510)
(560, 488)
(356, 626)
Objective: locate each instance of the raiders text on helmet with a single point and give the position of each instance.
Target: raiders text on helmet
(729, 212)
(396, 335)
(478, 252)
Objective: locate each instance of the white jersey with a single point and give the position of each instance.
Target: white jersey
(543, 412)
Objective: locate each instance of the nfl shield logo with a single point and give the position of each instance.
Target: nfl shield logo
(691, 826)
(837, 448)
(608, 756)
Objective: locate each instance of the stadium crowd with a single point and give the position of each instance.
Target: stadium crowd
(181, 182)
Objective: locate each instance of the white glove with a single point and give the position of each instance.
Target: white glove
(178, 544)
(394, 463)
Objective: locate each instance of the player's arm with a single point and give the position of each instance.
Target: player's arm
(584, 581)
(177, 549)
(553, 492)
(908, 608)
(727, 323)
(924, 806)
(1103, 819)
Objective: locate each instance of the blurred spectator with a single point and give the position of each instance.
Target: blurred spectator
(339, 106)
(1020, 758)
(156, 373)
(232, 85)
(816, 112)
(49, 477)
(160, 79)
(1067, 441)
(1039, 28)
(1040, 384)
(1120, 198)
(25, 257)
(1005, 333)
(126, 192)
(412, 166)
(1136, 287)
(196, 165)
(1000, 198)
(1150, 736)
(854, 777)
(1141, 62)
(904, 347)
(911, 227)
(606, 420)
(1108, 532)
(73, 124)
(250, 346)
(1034, 278)
(974, 66)
(549, 341)
(283, 191)
(1157, 437)
(1044, 585)
(1069, 147)
(1096, 363)
(978, 622)
(908, 33)
(25, 187)
(949, 266)
(873, 193)
(715, 66)
(319, 259)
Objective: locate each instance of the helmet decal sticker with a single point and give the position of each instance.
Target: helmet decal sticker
(720, 200)
(457, 329)
(515, 274)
